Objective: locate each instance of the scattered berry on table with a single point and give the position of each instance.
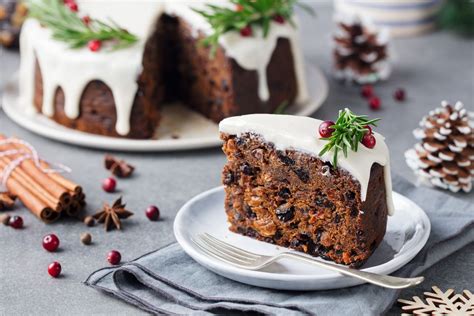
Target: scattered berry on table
(94, 45)
(89, 221)
(54, 269)
(375, 103)
(399, 95)
(16, 222)
(153, 213)
(369, 141)
(114, 257)
(246, 31)
(367, 91)
(325, 129)
(109, 185)
(51, 242)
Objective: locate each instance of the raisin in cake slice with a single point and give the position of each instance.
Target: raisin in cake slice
(279, 190)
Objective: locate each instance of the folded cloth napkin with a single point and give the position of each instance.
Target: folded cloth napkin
(167, 281)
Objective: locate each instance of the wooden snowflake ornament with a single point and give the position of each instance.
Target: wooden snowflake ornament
(440, 303)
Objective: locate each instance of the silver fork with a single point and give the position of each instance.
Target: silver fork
(251, 261)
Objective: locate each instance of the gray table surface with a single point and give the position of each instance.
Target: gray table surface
(431, 68)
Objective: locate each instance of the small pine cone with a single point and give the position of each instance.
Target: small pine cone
(444, 157)
(360, 54)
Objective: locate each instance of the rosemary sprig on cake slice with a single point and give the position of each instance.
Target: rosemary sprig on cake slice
(244, 15)
(346, 133)
(62, 18)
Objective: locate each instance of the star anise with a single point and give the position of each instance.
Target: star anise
(120, 168)
(111, 215)
(7, 200)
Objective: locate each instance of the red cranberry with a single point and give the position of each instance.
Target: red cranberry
(375, 103)
(369, 129)
(50, 242)
(279, 19)
(399, 95)
(16, 222)
(325, 129)
(153, 213)
(94, 45)
(369, 141)
(54, 269)
(86, 20)
(114, 257)
(72, 5)
(367, 91)
(109, 185)
(246, 31)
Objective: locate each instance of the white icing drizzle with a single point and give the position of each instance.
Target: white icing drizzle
(299, 133)
(73, 69)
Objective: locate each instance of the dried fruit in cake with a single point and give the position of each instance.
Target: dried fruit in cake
(302, 193)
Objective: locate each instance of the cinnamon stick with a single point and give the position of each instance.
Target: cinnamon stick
(32, 186)
(56, 190)
(32, 202)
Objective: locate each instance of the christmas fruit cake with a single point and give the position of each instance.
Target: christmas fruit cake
(287, 184)
(111, 78)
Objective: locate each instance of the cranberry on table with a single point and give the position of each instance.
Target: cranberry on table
(153, 213)
(109, 185)
(94, 45)
(279, 19)
(325, 129)
(16, 222)
(54, 269)
(369, 141)
(399, 94)
(367, 91)
(375, 103)
(51, 242)
(246, 31)
(114, 257)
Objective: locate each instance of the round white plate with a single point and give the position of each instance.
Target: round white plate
(407, 232)
(193, 129)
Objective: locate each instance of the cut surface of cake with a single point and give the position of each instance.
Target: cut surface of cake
(279, 190)
(119, 92)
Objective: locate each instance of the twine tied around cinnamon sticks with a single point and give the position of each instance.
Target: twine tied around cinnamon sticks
(38, 184)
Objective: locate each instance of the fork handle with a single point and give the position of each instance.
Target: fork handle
(386, 281)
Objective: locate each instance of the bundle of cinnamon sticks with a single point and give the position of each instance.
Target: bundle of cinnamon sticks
(47, 195)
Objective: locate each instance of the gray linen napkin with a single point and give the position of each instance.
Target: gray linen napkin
(167, 281)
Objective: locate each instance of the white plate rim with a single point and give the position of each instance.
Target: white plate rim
(64, 134)
(216, 265)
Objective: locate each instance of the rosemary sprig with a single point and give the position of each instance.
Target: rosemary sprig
(249, 13)
(348, 131)
(68, 27)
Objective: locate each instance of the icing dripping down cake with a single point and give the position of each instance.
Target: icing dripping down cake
(119, 92)
(279, 190)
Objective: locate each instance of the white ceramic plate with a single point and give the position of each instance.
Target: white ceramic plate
(407, 232)
(193, 129)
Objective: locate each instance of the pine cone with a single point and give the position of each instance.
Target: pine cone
(445, 155)
(359, 54)
(12, 15)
